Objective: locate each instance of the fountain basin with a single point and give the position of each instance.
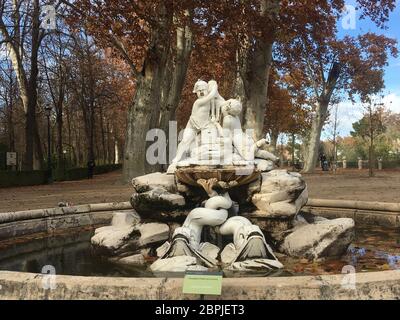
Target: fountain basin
(373, 285)
(369, 285)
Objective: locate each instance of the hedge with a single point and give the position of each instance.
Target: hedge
(22, 178)
(30, 178)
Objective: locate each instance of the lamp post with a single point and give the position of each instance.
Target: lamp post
(49, 171)
(64, 162)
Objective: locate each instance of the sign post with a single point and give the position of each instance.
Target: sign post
(12, 159)
(199, 282)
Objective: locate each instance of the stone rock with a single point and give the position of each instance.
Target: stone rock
(307, 218)
(154, 180)
(269, 223)
(324, 238)
(157, 199)
(282, 193)
(152, 233)
(136, 260)
(125, 218)
(111, 239)
(116, 240)
(253, 188)
(174, 264)
(264, 165)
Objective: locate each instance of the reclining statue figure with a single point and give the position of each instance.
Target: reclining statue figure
(248, 252)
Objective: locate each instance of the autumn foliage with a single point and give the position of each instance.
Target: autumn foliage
(133, 63)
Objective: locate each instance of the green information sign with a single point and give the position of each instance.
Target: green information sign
(196, 282)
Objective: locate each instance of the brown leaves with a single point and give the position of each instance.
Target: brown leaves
(285, 112)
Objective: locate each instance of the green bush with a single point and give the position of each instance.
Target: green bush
(82, 173)
(391, 164)
(30, 178)
(22, 178)
(107, 168)
(352, 164)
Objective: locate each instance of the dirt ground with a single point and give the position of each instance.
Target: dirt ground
(346, 184)
(102, 188)
(353, 184)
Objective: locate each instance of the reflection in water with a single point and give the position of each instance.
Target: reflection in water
(69, 254)
(374, 249)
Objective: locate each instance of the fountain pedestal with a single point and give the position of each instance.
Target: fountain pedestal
(212, 178)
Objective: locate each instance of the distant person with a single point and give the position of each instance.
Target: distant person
(324, 163)
(91, 165)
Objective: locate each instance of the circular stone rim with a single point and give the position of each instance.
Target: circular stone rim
(368, 285)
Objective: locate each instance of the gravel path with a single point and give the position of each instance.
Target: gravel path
(348, 185)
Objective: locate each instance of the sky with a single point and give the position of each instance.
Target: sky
(349, 113)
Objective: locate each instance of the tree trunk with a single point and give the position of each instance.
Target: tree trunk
(141, 117)
(116, 152)
(38, 147)
(371, 146)
(10, 115)
(109, 155)
(293, 151)
(103, 136)
(175, 85)
(32, 128)
(183, 51)
(318, 121)
(27, 88)
(59, 121)
(254, 59)
(256, 86)
(321, 113)
(274, 140)
(371, 160)
(30, 118)
(144, 113)
(10, 130)
(138, 124)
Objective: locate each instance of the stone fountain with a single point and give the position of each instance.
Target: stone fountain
(220, 200)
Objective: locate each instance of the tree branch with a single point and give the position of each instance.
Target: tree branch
(121, 48)
(312, 74)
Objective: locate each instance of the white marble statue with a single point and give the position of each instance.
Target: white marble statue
(213, 129)
(244, 144)
(248, 252)
(214, 135)
(205, 111)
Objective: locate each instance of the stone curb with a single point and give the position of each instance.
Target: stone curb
(30, 286)
(363, 213)
(51, 212)
(360, 205)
